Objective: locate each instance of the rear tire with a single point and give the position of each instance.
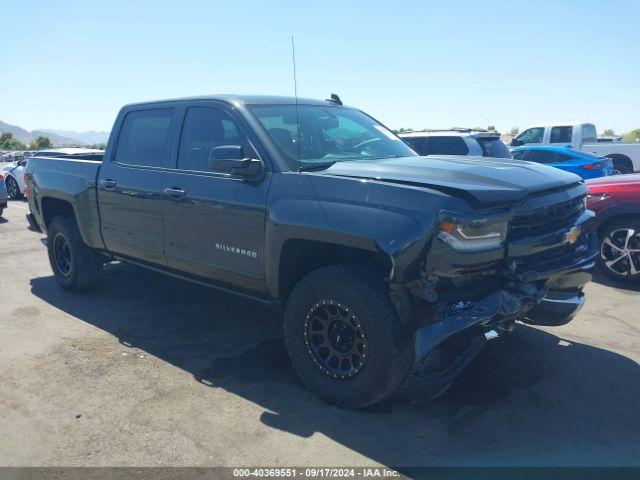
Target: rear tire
(621, 167)
(75, 266)
(356, 302)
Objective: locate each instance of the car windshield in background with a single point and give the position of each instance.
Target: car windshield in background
(493, 147)
(328, 134)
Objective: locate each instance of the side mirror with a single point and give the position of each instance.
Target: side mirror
(516, 143)
(22, 163)
(230, 159)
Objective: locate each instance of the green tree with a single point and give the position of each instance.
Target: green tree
(609, 133)
(491, 128)
(7, 142)
(632, 136)
(514, 131)
(40, 143)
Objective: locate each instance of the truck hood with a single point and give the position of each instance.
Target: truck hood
(486, 180)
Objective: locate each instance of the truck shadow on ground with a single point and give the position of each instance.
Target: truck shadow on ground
(532, 399)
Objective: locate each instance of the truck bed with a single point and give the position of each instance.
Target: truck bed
(72, 179)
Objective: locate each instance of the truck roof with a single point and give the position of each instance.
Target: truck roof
(244, 100)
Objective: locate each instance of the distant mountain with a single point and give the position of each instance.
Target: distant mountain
(19, 133)
(89, 138)
(58, 138)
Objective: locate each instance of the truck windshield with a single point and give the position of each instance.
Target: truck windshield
(322, 135)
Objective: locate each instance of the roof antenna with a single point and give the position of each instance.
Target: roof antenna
(295, 91)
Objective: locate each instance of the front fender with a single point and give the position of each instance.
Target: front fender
(366, 215)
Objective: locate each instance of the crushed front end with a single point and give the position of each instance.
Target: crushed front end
(529, 263)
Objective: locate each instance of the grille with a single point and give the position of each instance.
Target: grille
(546, 219)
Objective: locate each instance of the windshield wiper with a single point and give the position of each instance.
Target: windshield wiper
(305, 167)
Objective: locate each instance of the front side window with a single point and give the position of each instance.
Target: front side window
(561, 135)
(419, 144)
(531, 135)
(314, 135)
(143, 138)
(447, 146)
(203, 129)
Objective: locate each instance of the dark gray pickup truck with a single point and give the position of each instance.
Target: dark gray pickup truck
(391, 270)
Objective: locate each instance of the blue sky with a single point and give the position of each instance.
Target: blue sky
(71, 64)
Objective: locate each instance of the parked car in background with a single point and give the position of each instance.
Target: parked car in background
(457, 141)
(3, 195)
(616, 201)
(583, 164)
(14, 172)
(582, 136)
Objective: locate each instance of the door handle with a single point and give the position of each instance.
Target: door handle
(174, 192)
(108, 183)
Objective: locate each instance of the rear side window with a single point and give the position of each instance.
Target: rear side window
(586, 154)
(143, 138)
(561, 157)
(493, 147)
(561, 135)
(541, 156)
(447, 146)
(589, 133)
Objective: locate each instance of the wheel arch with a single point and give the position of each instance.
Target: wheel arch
(299, 257)
(613, 214)
(621, 158)
(52, 207)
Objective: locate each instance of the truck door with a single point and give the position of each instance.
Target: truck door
(130, 184)
(214, 222)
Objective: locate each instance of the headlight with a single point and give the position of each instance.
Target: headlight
(597, 197)
(472, 234)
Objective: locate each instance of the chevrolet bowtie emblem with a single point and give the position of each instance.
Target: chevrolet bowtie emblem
(572, 235)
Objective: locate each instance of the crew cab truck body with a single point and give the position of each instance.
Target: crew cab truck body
(625, 155)
(391, 271)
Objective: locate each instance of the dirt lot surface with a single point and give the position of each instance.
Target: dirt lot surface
(147, 370)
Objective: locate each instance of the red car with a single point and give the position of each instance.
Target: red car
(616, 201)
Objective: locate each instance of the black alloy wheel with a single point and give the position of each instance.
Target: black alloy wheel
(62, 255)
(335, 339)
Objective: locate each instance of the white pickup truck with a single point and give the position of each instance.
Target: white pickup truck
(625, 155)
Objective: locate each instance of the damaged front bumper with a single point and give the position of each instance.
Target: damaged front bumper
(443, 348)
(544, 288)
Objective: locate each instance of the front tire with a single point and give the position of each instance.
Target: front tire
(620, 250)
(344, 337)
(75, 266)
(13, 189)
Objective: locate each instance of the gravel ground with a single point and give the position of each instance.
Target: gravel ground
(149, 371)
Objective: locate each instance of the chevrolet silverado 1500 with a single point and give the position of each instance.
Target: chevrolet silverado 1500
(391, 270)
